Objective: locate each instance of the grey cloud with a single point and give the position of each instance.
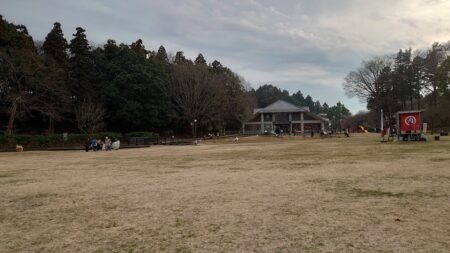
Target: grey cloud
(295, 44)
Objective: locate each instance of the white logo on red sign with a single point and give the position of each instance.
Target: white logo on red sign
(410, 120)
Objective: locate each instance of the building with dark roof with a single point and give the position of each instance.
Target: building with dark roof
(284, 117)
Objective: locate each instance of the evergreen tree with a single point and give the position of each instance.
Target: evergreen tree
(336, 114)
(111, 49)
(200, 60)
(55, 45)
(162, 54)
(298, 98)
(317, 107)
(268, 94)
(81, 67)
(28, 86)
(403, 89)
(19, 64)
(325, 108)
(133, 89)
(443, 77)
(139, 48)
(14, 36)
(309, 102)
(435, 56)
(179, 58)
(216, 67)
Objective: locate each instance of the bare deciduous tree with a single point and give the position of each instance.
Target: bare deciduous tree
(195, 92)
(55, 102)
(28, 85)
(19, 88)
(89, 116)
(363, 82)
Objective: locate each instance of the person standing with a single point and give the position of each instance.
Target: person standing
(87, 145)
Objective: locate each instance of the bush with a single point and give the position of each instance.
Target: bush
(41, 140)
(110, 135)
(142, 134)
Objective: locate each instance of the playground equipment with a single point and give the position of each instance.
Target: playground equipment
(409, 126)
(363, 129)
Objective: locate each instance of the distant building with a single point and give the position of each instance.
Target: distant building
(285, 117)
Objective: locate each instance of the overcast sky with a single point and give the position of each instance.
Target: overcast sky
(294, 44)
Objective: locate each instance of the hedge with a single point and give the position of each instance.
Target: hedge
(72, 139)
(142, 134)
(53, 139)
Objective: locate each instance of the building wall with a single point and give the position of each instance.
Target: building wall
(296, 122)
(296, 116)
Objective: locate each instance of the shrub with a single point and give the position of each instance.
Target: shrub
(110, 135)
(142, 134)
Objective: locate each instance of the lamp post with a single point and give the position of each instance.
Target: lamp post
(195, 129)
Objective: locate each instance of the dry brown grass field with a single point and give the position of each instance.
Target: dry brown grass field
(263, 194)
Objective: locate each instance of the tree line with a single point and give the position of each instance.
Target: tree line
(408, 80)
(71, 86)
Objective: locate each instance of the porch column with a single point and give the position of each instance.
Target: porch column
(302, 125)
(322, 126)
(273, 122)
(290, 123)
(262, 123)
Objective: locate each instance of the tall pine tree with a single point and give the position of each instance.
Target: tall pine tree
(55, 45)
(200, 60)
(81, 69)
(161, 55)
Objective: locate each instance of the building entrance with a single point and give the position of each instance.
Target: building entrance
(282, 129)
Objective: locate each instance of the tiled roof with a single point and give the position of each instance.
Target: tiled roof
(281, 106)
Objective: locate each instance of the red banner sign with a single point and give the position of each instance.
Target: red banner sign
(410, 121)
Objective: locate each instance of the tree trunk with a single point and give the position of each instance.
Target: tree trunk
(434, 94)
(418, 102)
(411, 101)
(51, 126)
(12, 117)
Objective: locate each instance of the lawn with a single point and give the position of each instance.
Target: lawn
(264, 194)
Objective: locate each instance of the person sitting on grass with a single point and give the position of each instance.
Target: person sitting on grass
(107, 144)
(100, 144)
(94, 144)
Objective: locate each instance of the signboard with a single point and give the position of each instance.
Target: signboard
(410, 121)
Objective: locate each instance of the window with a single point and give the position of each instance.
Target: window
(267, 117)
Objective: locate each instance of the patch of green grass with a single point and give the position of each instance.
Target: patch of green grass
(304, 164)
(375, 193)
(379, 193)
(440, 159)
(348, 187)
(3, 175)
(236, 169)
(18, 181)
(38, 196)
